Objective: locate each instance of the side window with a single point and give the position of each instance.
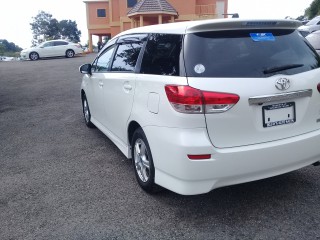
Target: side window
(60, 43)
(162, 55)
(48, 44)
(103, 62)
(126, 57)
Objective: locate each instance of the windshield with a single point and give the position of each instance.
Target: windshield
(244, 53)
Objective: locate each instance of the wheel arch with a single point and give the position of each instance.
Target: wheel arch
(70, 49)
(133, 126)
(83, 93)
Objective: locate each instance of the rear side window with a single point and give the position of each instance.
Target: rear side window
(162, 55)
(60, 43)
(126, 57)
(237, 54)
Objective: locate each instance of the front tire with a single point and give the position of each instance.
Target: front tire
(69, 53)
(33, 56)
(86, 112)
(143, 162)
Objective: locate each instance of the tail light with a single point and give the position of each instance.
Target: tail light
(186, 99)
(318, 87)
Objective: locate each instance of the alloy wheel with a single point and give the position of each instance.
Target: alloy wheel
(141, 160)
(86, 110)
(70, 53)
(34, 56)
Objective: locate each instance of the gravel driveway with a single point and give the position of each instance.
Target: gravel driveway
(62, 180)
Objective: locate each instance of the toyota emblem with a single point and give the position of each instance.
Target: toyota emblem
(282, 84)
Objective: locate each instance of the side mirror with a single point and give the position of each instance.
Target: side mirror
(86, 69)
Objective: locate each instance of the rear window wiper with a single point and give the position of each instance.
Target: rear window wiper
(281, 68)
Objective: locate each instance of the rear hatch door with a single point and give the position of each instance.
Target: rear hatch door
(275, 72)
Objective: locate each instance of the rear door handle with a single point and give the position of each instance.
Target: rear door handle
(127, 87)
(100, 84)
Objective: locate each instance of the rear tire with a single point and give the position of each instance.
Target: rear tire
(86, 112)
(33, 56)
(143, 162)
(69, 53)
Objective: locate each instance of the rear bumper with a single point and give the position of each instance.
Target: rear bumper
(175, 171)
(78, 51)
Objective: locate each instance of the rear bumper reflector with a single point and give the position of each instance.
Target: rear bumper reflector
(199, 157)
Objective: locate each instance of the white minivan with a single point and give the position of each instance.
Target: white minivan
(205, 104)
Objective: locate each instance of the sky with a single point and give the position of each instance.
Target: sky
(15, 21)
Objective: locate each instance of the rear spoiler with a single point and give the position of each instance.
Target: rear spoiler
(242, 24)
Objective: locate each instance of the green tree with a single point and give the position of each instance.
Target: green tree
(313, 10)
(1, 49)
(44, 27)
(9, 46)
(69, 29)
(41, 26)
(53, 29)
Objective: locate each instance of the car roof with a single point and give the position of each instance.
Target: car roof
(214, 25)
(57, 40)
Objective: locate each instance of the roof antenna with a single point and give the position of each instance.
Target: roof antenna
(234, 15)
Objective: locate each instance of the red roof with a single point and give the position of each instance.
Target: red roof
(146, 6)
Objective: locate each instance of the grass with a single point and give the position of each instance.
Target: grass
(10, 54)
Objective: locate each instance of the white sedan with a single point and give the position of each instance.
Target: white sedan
(54, 48)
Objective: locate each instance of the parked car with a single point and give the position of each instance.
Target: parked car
(7, 59)
(314, 39)
(312, 25)
(205, 104)
(54, 48)
(305, 21)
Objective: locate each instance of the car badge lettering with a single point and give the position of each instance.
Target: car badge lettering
(282, 84)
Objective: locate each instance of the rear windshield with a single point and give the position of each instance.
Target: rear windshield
(248, 53)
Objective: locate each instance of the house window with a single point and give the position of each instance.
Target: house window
(131, 3)
(101, 12)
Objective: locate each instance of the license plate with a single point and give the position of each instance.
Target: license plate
(278, 114)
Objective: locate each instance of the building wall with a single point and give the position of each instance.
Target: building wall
(116, 19)
(92, 18)
(183, 8)
(204, 2)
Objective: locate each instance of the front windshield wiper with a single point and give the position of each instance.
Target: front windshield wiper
(281, 68)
